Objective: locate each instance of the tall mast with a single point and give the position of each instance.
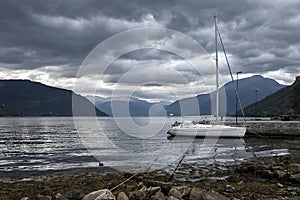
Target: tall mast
(217, 71)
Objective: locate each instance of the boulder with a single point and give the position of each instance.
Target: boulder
(104, 194)
(159, 196)
(152, 190)
(136, 195)
(122, 196)
(175, 193)
(165, 186)
(199, 194)
(25, 198)
(196, 194)
(184, 190)
(74, 195)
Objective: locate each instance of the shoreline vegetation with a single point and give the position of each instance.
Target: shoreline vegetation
(256, 178)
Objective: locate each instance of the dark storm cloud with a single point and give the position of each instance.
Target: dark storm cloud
(261, 37)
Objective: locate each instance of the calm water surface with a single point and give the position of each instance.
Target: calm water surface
(43, 143)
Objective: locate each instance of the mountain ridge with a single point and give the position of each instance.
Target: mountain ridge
(29, 98)
(247, 92)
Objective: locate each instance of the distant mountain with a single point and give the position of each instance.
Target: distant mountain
(27, 98)
(276, 104)
(136, 107)
(247, 94)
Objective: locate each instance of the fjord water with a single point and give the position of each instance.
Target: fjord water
(43, 143)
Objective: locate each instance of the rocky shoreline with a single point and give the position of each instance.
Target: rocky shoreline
(257, 178)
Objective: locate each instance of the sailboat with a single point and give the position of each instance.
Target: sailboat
(208, 130)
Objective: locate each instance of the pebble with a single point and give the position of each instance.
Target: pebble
(42, 197)
(279, 185)
(229, 188)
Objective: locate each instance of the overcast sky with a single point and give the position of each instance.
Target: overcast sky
(47, 41)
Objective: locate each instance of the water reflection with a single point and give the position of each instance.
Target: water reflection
(54, 143)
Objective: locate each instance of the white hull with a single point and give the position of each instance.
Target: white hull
(200, 130)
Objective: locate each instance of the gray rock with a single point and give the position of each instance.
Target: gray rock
(229, 189)
(152, 190)
(42, 197)
(184, 190)
(279, 185)
(74, 195)
(172, 198)
(295, 177)
(294, 168)
(122, 196)
(136, 195)
(143, 189)
(25, 198)
(59, 196)
(104, 194)
(199, 194)
(196, 194)
(165, 186)
(158, 196)
(280, 174)
(175, 193)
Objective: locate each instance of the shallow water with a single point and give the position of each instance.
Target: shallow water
(43, 143)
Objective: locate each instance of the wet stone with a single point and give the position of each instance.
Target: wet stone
(99, 194)
(159, 196)
(184, 190)
(42, 197)
(175, 193)
(152, 190)
(294, 168)
(199, 194)
(136, 195)
(74, 195)
(122, 196)
(165, 186)
(172, 198)
(229, 189)
(280, 174)
(59, 196)
(295, 178)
